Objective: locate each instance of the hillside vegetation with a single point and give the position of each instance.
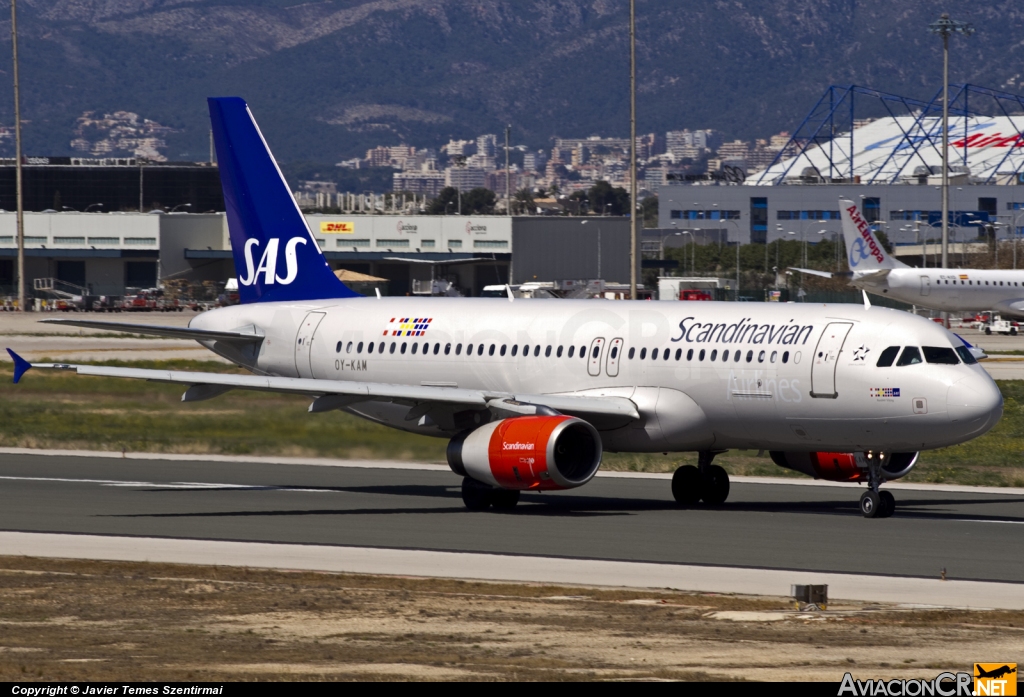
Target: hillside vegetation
(329, 79)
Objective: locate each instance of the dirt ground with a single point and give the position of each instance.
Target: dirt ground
(79, 620)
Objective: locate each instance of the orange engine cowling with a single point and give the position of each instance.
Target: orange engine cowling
(844, 467)
(528, 452)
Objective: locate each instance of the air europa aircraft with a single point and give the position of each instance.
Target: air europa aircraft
(530, 393)
(953, 290)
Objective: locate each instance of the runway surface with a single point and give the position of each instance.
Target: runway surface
(974, 536)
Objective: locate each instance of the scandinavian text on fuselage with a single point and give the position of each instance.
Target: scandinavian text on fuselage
(743, 332)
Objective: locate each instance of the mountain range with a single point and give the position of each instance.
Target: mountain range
(329, 79)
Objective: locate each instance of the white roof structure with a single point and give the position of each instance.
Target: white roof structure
(901, 149)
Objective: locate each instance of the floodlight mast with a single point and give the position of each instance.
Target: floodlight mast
(632, 151)
(17, 162)
(945, 27)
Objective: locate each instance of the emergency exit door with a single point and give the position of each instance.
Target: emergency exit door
(304, 343)
(826, 358)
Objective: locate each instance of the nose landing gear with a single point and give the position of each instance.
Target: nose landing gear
(706, 482)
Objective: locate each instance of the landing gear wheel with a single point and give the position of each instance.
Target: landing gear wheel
(715, 485)
(687, 485)
(870, 504)
(888, 504)
(476, 495)
(504, 499)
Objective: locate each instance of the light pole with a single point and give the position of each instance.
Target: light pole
(945, 27)
(633, 241)
(1016, 219)
(599, 276)
(693, 255)
(726, 220)
(460, 162)
(508, 175)
(17, 161)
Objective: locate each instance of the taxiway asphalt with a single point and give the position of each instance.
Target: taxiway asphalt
(775, 526)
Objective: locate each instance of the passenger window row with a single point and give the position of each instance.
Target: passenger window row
(664, 354)
(971, 283)
(737, 356)
(912, 355)
(428, 348)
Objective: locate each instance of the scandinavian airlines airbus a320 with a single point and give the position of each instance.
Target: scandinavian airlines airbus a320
(531, 393)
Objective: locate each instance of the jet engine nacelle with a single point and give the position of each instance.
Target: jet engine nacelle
(528, 452)
(845, 467)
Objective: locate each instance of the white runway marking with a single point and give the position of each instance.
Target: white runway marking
(165, 485)
(404, 465)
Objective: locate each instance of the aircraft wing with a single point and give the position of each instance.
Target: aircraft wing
(335, 394)
(813, 272)
(159, 330)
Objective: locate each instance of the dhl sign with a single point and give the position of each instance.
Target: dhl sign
(336, 228)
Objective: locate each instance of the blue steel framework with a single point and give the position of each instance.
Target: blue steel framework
(834, 114)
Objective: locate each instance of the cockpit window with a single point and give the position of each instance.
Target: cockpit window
(965, 355)
(888, 356)
(940, 354)
(911, 355)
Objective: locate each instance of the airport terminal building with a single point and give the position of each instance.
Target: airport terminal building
(890, 166)
(107, 253)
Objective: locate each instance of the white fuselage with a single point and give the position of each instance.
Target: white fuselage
(951, 290)
(791, 380)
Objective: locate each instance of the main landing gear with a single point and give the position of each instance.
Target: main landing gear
(479, 496)
(875, 503)
(705, 482)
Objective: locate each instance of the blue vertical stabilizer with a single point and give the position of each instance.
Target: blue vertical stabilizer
(276, 256)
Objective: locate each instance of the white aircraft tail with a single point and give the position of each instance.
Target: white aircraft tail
(863, 250)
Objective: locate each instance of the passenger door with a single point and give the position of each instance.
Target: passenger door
(614, 356)
(594, 357)
(304, 344)
(826, 357)
(926, 286)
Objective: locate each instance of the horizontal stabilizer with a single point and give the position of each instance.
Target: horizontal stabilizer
(158, 330)
(814, 272)
(20, 365)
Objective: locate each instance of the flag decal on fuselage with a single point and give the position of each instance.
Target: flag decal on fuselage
(408, 326)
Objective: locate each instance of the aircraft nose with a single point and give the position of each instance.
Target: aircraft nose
(974, 404)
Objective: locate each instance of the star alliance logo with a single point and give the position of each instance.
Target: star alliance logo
(861, 353)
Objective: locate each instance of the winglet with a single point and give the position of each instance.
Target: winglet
(20, 365)
(867, 303)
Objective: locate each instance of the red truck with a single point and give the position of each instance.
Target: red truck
(690, 294)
